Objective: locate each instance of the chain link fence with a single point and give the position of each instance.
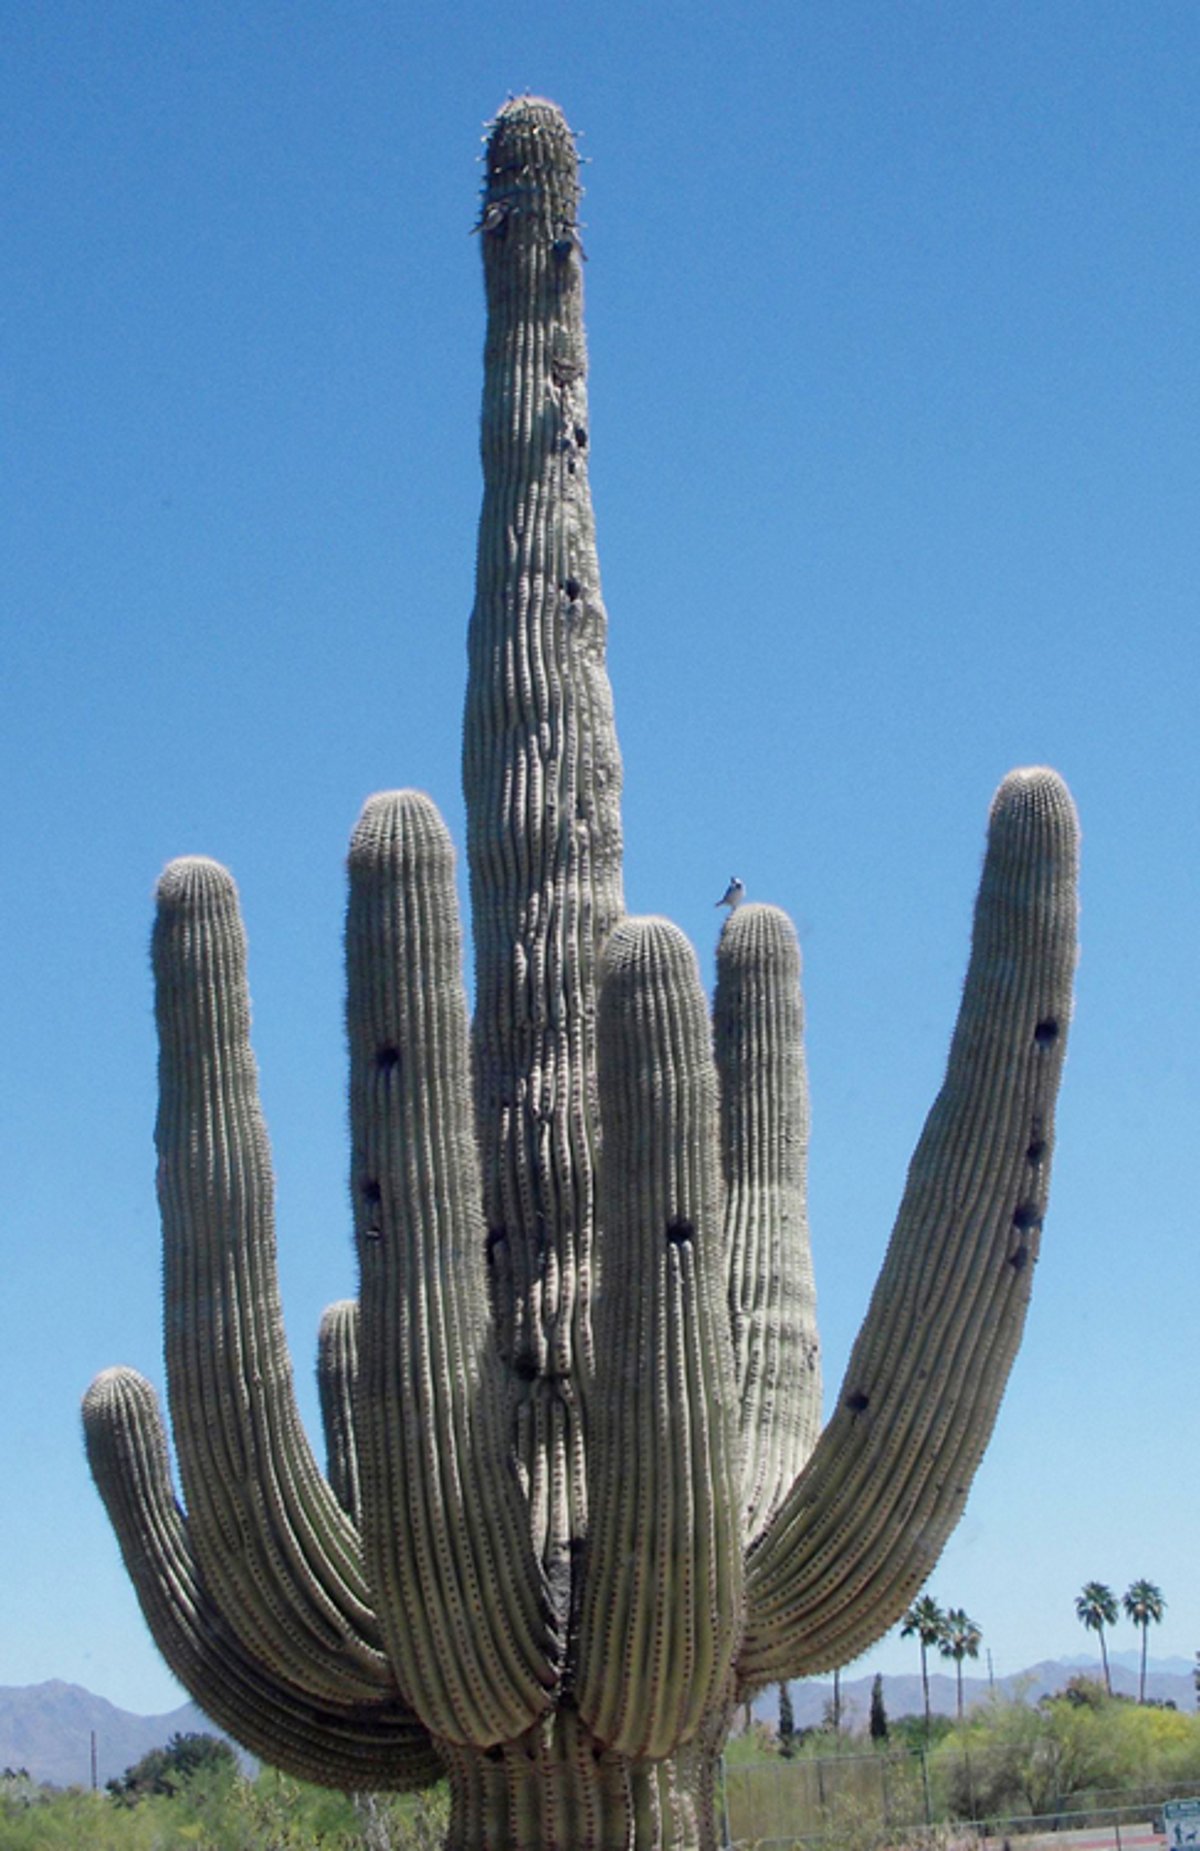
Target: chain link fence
(894, 1800)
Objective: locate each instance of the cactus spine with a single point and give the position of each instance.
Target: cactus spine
(577, 1505)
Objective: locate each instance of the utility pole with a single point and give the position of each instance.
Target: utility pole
(95, 1775)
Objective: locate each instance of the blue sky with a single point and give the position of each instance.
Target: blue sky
(894, 388)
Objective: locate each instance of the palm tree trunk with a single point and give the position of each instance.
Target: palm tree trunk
(925, 1686)
(1104, 1662)
(1142, 1678)
(958, 1663)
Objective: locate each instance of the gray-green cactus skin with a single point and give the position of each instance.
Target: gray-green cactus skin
(577, 1504)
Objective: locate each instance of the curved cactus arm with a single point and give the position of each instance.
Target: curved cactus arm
(344, 1746)
(337, 1381)
(276, 1551)
(758, 1030)
(663, 1569)
(869, 1515)
(542, 777)
(462, 1596)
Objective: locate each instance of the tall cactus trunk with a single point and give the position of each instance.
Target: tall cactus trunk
(560, 1788)
(542, 777)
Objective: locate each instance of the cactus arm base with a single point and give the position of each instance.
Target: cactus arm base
(558, 1786)
(350, 1746)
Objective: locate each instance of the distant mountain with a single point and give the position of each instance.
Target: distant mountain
(1167, 1680)
(48, 1728)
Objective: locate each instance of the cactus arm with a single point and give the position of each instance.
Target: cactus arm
(662, 1584)
(542, 776)
(343, 1746)
(758, 1029)
(337, 1377)
(275, 1550)
(888, 1480)
(461, 1593)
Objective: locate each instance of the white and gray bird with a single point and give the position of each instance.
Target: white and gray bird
(734, 894)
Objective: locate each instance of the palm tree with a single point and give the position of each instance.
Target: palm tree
(1096, 1606)
(1143, 1602)
(960, 1639)
(924, 1621)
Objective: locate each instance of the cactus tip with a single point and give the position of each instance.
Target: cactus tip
(114, 1390)
(391, 821)
(192, 879)
(1034, 793)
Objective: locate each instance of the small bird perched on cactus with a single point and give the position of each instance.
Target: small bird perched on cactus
(734, 894)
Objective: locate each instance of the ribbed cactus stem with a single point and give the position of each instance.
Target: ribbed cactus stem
(542, 777)
(868, 1518)
(461, 1595)
(270, 1539)
(662, 1583)
(758, 1026)
(559, 1788)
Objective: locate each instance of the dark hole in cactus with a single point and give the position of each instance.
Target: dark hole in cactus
(679, 1230)
(526, 1368)
(1019, 1259)
(1037, 1150)
(570, 465)
(1027, 1215)
(387, 1059)
(1046, 1032)
(581, 436)
(495, 1753)
(572, 587)
(563, 248)
(371, 1190)
(858, 1403)
(494, 1238)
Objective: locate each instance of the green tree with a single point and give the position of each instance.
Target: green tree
(879, 1717)
(787, 1723)
(926, 1622)
(167, 1770)
(1143, 1604)
(960, 1639)
(1096, 1607)
(1013, 1758)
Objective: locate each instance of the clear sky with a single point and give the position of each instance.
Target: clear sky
(896, 433)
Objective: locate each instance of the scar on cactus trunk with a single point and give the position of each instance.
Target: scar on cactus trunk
(578, 1502)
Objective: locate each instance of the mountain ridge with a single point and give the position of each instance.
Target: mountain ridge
(47, 1728)
(902, 1692)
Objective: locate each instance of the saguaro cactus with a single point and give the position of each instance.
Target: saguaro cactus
(577, 1505)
